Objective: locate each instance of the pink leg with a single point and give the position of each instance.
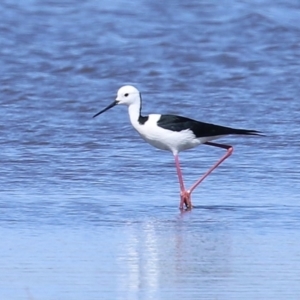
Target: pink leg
(227, 154)
(185, 198)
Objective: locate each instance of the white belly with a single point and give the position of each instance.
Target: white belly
(164, 139)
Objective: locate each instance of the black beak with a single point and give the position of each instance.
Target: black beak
(107, 108)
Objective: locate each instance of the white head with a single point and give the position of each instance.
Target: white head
(127, 94)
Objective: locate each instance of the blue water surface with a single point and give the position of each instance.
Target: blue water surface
(89, 210)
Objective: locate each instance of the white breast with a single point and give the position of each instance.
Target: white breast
(165, 139)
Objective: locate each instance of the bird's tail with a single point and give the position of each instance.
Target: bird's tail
(247, 132)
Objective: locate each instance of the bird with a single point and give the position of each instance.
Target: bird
(175, 134)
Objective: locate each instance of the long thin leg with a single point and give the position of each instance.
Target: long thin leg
(227, 154)
(184, 195)
(179, 173)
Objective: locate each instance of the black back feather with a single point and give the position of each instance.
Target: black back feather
(200, 129)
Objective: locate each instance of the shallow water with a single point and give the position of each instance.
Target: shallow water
(90, 211)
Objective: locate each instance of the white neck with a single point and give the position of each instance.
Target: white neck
(134, 112)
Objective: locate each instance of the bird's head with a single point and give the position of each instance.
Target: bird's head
(127, 94)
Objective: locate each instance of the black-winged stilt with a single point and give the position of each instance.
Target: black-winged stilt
(175, 134)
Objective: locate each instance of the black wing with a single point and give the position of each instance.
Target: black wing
(200, 129)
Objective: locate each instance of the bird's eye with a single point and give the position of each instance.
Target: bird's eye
(126, 95)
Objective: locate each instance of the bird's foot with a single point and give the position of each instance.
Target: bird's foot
(185, 200)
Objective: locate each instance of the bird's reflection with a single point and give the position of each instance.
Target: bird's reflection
(187, 252)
